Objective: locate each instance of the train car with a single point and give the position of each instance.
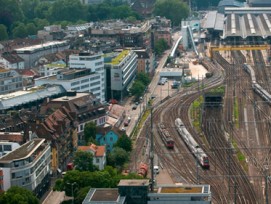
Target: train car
(193, 146)
(262, 92)
(251, 72)
(142, 170)
(166, 137)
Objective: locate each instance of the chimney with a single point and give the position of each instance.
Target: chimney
(30, 135)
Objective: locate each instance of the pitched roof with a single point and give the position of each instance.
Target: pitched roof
(12, 58)
(98, 151)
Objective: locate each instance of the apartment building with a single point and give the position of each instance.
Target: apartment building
(10, 81)
(27, 167)
(120, 73)
(7, 147)
(12, 61)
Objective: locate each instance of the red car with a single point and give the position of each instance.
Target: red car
(113, 101)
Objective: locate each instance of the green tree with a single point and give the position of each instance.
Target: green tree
(119, 157)
(28, 6)
(137, 89)
(19, 31)
(81, 194)
(42, 10)
(175, 10)
(10, 12)
(68, 10)
(3, 32)
(90, 131)
(18, 195)
(83, 161)
(40, 23)
(125, 143)
(31, 29)
(144, 78)
(160, 46)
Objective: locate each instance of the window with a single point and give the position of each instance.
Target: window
(7, 147)
(97, 160)
(111, 139)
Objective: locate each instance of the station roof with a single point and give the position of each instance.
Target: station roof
(214, 21)
(241, 22)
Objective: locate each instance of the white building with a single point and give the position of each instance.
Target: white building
(7, 147)
(94, 62)
(122, 71)
(28, 167)
(79, 80)
(99, 154)
(10, 81)
(12, 61)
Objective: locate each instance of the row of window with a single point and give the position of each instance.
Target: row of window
(89, 58)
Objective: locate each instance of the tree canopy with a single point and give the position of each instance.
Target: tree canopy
(83, 161)
(90, 132)
(118, 157)
(125, 143)
(160, 46)
(18, 195)
(175, 10)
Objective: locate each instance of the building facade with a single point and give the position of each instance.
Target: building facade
(10, 81)
(12, 61)
(27, 167)
(32, 53)
(6, 147)
(94, 62)
(120, 73)
(79, 80)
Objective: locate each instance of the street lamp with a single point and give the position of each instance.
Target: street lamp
(72, 184)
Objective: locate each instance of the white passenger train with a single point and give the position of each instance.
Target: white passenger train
(257, 87)
(192, 144)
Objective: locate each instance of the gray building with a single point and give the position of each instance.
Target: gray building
(32, 53)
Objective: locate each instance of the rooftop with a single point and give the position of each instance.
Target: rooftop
(105, 195)
(134, 182)
(24, 151)
(120, 57)
(184, 189)
(70, 98)
(40, 46)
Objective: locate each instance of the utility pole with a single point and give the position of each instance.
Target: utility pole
(151, 156)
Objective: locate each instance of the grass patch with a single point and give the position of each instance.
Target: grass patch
(236, 113)
(220, 90)
(195, 113)
(240, 156)
(140, 124)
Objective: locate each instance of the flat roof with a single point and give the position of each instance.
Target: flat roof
(34, 47)
(70, 98)
(134, 182)
(183, 189)
(105, 195)
(24, 151)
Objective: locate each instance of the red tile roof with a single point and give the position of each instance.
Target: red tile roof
(98, 151)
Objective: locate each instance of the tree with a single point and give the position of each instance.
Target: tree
(125, 143)
(119, 156)
(18, 195)
(137, 89)
(83, 161)
(31, 29)
(144, 78)
(90, 131)
(3, 32)
(19, 31)
(68, 10)
(28, 6)
(160, 46)
(175, 10)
